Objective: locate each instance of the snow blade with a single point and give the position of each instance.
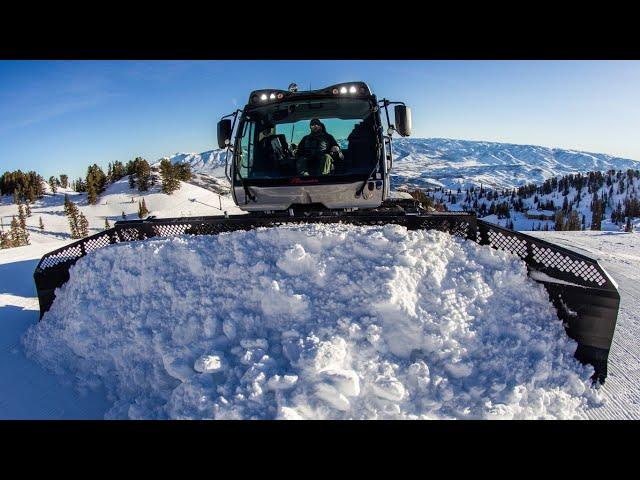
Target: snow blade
(584, 295)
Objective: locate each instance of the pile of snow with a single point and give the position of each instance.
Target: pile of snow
(313, 321)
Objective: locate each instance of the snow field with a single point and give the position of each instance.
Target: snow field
(313, 321)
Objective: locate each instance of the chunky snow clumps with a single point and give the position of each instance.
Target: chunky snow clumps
(313, 321)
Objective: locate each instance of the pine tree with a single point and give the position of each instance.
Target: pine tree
(559, 221)
(22, 219)
(117, 172)
(96, 182)
(124, 217)
(67, 205)
(629, 226)
(64, 181)
(53, 185)
(596, 213)
(132, 181)
(142, 209)
(92, 194)
(143, 174)
(83, 225)
(5, 242)
(72, 212)
(41, 224)
(28, 209)
(106, 223)
(184, 173)
(15, 234)
(169, 173)
(573, 222)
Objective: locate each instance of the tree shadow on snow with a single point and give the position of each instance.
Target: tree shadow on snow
(49, 232)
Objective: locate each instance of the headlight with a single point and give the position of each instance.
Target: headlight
(263, 96)
(352, 89)
(343, 89)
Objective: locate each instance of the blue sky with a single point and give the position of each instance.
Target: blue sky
(60, 116)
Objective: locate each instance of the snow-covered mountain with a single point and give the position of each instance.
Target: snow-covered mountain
(430, 162)
(209, 163)
(451, 164)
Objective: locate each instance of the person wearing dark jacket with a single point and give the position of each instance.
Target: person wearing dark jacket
(317, 151)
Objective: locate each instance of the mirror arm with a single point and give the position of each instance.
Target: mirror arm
(229, 147)
(385, 103)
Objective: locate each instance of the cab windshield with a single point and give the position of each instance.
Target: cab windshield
(278, 141)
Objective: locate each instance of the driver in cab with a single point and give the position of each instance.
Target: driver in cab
(317, 151)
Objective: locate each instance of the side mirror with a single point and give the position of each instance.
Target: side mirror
(224, 133)
(403, 120)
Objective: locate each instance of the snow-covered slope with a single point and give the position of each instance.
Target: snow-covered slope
(615, 190)
(463, 163)
(429, 162)
(118, 198)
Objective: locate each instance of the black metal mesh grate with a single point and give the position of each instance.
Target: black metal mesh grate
(458, 229)
(170, 230)
(94, 243)
(72, 252)
(555, 261)
(558, 261)
(512, 244)
(130, 234)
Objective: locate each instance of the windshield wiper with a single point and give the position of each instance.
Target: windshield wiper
(364, 183)
(247, 192)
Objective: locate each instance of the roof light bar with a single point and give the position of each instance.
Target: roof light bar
(348, 89)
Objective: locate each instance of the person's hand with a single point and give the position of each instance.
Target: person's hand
(335, 149)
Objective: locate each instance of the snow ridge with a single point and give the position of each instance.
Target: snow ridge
(451, 164)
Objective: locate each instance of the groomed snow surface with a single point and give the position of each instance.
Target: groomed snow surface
(313, 321)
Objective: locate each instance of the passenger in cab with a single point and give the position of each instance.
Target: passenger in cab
(317, 151)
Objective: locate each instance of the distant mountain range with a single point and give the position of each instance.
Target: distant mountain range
(431, 162)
